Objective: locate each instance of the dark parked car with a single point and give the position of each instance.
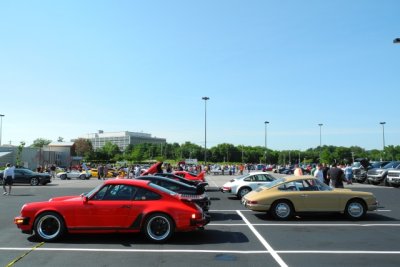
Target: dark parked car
(196, 194)
(25, 176)
(181, 179)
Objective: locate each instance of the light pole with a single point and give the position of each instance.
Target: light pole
(383, 137)
(320, 140)
(266, 123)
(205, 98)
(396, 41)
(1, 126)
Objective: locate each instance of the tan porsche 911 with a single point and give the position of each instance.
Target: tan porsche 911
(287, 196)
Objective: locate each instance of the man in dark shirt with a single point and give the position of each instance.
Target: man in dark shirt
(336, 175)
(325, 170)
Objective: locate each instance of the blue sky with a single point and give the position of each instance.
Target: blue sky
(68, 68)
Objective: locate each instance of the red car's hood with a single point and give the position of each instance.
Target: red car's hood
(66, 198)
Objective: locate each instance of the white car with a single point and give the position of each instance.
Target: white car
(242, 185)
(74, 174)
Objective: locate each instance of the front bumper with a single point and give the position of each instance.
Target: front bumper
(375, 178)
(373, 207)
(393, 180)
(23, 223)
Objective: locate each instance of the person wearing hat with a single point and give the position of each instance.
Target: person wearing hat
(8, 177)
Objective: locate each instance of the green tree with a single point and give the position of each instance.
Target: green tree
(19, 153)
(40, 143)
(110, 150)
(83, 147)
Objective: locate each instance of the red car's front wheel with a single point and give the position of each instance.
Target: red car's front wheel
(49, 226)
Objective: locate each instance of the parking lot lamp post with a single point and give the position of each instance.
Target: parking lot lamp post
(396, 41)
(1, 126)
(320, 140)
(205, 98)
(383, 138)
(265, 152)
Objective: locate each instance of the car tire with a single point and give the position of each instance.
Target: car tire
(63, 176)
(34, 181)
(386, 182)
(158, 227)
(282, 210)
(243, 191)
(82, 177)
(49, 226)
(355, 209)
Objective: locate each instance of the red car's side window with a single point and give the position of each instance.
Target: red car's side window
(115, 192)
(144, 194)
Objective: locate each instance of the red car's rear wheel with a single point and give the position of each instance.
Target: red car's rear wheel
(158, 227)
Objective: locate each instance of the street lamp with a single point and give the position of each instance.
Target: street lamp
(383, 136)
(1, 126)
(266, 122)
(396, 41)
(205, 98)
(320, 140)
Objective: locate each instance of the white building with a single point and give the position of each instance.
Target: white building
(121, 139)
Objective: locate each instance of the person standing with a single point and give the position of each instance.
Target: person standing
(348, 174)
(100, 170)
(8, 177)
(319, 174)
(325, 170)
(105, 172)
(336, 176)
(297, 170)
(53, 171)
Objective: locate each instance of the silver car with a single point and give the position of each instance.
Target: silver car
(242, 185)
(377, 175)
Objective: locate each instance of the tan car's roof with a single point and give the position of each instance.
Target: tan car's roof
(294, 178)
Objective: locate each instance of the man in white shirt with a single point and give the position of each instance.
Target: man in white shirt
(319, 174)
(8, 177)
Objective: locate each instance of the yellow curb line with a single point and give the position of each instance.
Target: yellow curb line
(23, 255)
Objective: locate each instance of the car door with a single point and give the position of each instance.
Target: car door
(22, 176)
(73, 174)
(316, 198)
(109, 209)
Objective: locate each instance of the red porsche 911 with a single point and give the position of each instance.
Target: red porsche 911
(116, 206)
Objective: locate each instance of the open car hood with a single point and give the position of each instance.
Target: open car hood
(155, 168)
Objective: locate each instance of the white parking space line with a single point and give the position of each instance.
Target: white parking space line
(275, 255)
(139, 250)
(311, 224)
(335, 252)
(269, 249)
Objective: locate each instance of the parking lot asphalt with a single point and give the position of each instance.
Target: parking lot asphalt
(234, 237)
